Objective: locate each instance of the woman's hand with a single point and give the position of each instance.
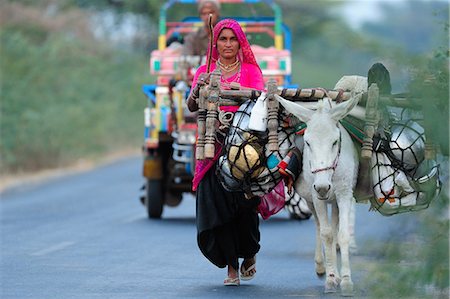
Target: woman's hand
(192, 101)
(203, 79)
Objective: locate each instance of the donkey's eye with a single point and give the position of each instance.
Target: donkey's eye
(335, 143)
(307, 144)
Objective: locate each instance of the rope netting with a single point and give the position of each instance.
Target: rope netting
(297, 207)
(246, 163)
(403, 180)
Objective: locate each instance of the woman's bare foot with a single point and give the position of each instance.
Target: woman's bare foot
(233, 277)
(232, 273)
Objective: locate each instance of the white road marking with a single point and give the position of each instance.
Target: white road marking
(56, 247)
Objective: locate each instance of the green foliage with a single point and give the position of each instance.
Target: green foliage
(431, 85)
(418, 266)
(309, 74)
(63, 100)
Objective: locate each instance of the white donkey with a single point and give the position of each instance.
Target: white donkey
(330, 168)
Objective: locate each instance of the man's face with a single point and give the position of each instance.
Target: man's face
(207, 9)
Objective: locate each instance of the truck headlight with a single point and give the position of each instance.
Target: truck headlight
(186, 137)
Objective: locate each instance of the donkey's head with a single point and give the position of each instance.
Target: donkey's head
(322, 139)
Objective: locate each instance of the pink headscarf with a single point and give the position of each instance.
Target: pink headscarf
(245, 54)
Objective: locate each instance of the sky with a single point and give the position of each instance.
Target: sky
(357, 12)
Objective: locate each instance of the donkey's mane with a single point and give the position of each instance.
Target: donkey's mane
(323, 105)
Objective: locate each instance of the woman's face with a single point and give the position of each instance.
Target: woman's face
(227, 44)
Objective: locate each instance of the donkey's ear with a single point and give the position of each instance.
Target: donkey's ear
(340, 111)
(302, 113)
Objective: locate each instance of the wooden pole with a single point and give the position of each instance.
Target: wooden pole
(202, 103)
(272, 115)
(371, 121)
(313, 95)
(212, 114)
(211, 41)
(201, 123)
(293, 94)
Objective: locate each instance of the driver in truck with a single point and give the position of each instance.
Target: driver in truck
(196, 43)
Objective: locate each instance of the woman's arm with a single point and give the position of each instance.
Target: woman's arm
(200, 78)
(193, 98)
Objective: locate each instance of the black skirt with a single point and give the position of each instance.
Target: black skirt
(227, 223)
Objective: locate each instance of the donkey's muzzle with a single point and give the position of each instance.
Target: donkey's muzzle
(322, 190)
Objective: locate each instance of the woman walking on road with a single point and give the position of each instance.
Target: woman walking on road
(227, 222)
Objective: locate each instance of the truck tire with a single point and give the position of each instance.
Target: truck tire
(154, 201)
(172, 199)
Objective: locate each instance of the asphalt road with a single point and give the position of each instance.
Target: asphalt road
(87, 236)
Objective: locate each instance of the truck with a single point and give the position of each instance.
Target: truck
(169, 128)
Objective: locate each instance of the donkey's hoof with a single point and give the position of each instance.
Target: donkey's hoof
(346, 287)
(330, 288)
(320, 270)
(320, 274)
(331, 284)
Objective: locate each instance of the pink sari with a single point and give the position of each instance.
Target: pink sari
(250, 77)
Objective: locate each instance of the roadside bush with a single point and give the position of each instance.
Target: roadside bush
(419, 266)
(62, 100)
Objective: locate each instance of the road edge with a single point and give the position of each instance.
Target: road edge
(9, 182)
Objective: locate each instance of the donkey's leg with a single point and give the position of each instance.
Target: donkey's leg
(353, 248)
(352, 244)
(335, 227)
(326, 234)
(318, 254)
(344, 204)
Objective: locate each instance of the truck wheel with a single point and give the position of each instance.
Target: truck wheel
(173, 199)
(154, 200)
